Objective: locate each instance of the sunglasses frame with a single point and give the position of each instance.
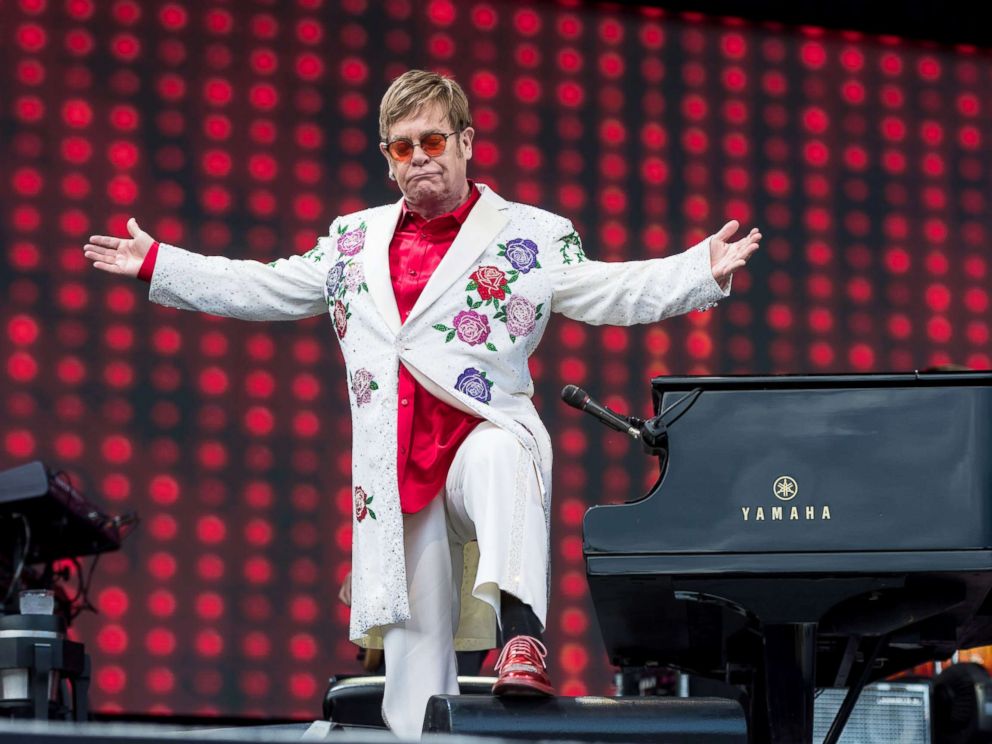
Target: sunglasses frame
(414, 144)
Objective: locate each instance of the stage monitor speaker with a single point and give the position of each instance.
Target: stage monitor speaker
(886, 713)
(654, 720)
(356, 701)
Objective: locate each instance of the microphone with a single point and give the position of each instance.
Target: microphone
(579, 398)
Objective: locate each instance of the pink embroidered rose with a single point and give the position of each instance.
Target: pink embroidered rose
(362, 501)
(471, 327)
(362, 385)
(521, 316)
(340, 315)
(354, 276)
(351, 242)
(491, 282)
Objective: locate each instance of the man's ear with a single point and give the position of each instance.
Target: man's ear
(465, 137)
(389, 162)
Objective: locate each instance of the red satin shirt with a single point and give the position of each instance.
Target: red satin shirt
(429, 431)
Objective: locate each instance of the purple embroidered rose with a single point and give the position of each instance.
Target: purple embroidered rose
(340, 318)
(354, 276)
(521, 316)
(522, 254)
(471, 327)
(351, 242)
(334, 279)
(362, 385)
(473, 383)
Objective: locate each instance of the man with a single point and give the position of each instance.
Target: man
(437, 302)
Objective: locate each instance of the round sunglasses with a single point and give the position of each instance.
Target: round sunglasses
(401, 149)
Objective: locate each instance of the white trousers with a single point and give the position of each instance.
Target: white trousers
(491, 495)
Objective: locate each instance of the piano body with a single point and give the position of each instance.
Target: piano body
(804, 532)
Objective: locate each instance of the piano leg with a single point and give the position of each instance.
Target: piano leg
(790, 656)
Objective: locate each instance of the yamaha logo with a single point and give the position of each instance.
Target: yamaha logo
(785, 488)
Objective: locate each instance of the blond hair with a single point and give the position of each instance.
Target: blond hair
(416, 90)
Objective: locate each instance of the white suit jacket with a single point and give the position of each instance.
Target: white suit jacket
(467, 340)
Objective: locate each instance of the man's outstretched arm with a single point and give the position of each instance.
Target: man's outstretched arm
(630, 292)
(283, 290)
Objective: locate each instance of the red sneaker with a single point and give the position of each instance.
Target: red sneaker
(521, 668)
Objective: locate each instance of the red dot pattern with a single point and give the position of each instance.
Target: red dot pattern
(235, 129)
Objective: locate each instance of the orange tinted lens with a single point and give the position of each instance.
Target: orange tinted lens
(401, 149)
(433, 144)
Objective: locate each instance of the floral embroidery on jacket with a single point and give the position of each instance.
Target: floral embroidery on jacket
(520, 316)
(341, 316)
(351, 242)
(333, 283)
(470, 327)
(474, 383)
(521, 253)
(345, 276)
(492, 284)
(362, 501)
(354, 277)
(571, 243)
(362, 384)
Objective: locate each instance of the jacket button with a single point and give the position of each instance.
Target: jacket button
(405, 402)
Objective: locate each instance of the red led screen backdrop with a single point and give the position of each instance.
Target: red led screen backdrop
(244, 128)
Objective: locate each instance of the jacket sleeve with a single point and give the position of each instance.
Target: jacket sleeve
(626, 293)
(285, 289)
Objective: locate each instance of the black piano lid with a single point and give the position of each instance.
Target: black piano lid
(888, 462)
(885, 379)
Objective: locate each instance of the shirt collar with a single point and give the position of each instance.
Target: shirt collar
(459, 214)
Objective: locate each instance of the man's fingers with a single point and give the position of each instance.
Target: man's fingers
(95, 251)
(132, 227)
(105, 240)
(108, 267)
(728, 230)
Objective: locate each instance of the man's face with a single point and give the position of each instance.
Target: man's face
(428, 180)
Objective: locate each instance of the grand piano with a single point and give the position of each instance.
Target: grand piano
(804, 532)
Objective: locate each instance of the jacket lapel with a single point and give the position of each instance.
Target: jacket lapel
(480, 228)
(378, 235)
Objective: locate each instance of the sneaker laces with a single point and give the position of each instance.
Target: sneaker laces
(521, 645)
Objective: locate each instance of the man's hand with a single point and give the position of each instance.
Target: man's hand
(344, 594)
(726, 258)
(119, 255)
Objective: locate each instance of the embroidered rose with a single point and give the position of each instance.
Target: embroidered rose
(354, 277)
(362, 501)
(520, 316)
(340, 315)
(471, 327)
(362, 384)
(334, 280)
(522, 254)
(473, 383)
(352, 242)
(490, 281)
